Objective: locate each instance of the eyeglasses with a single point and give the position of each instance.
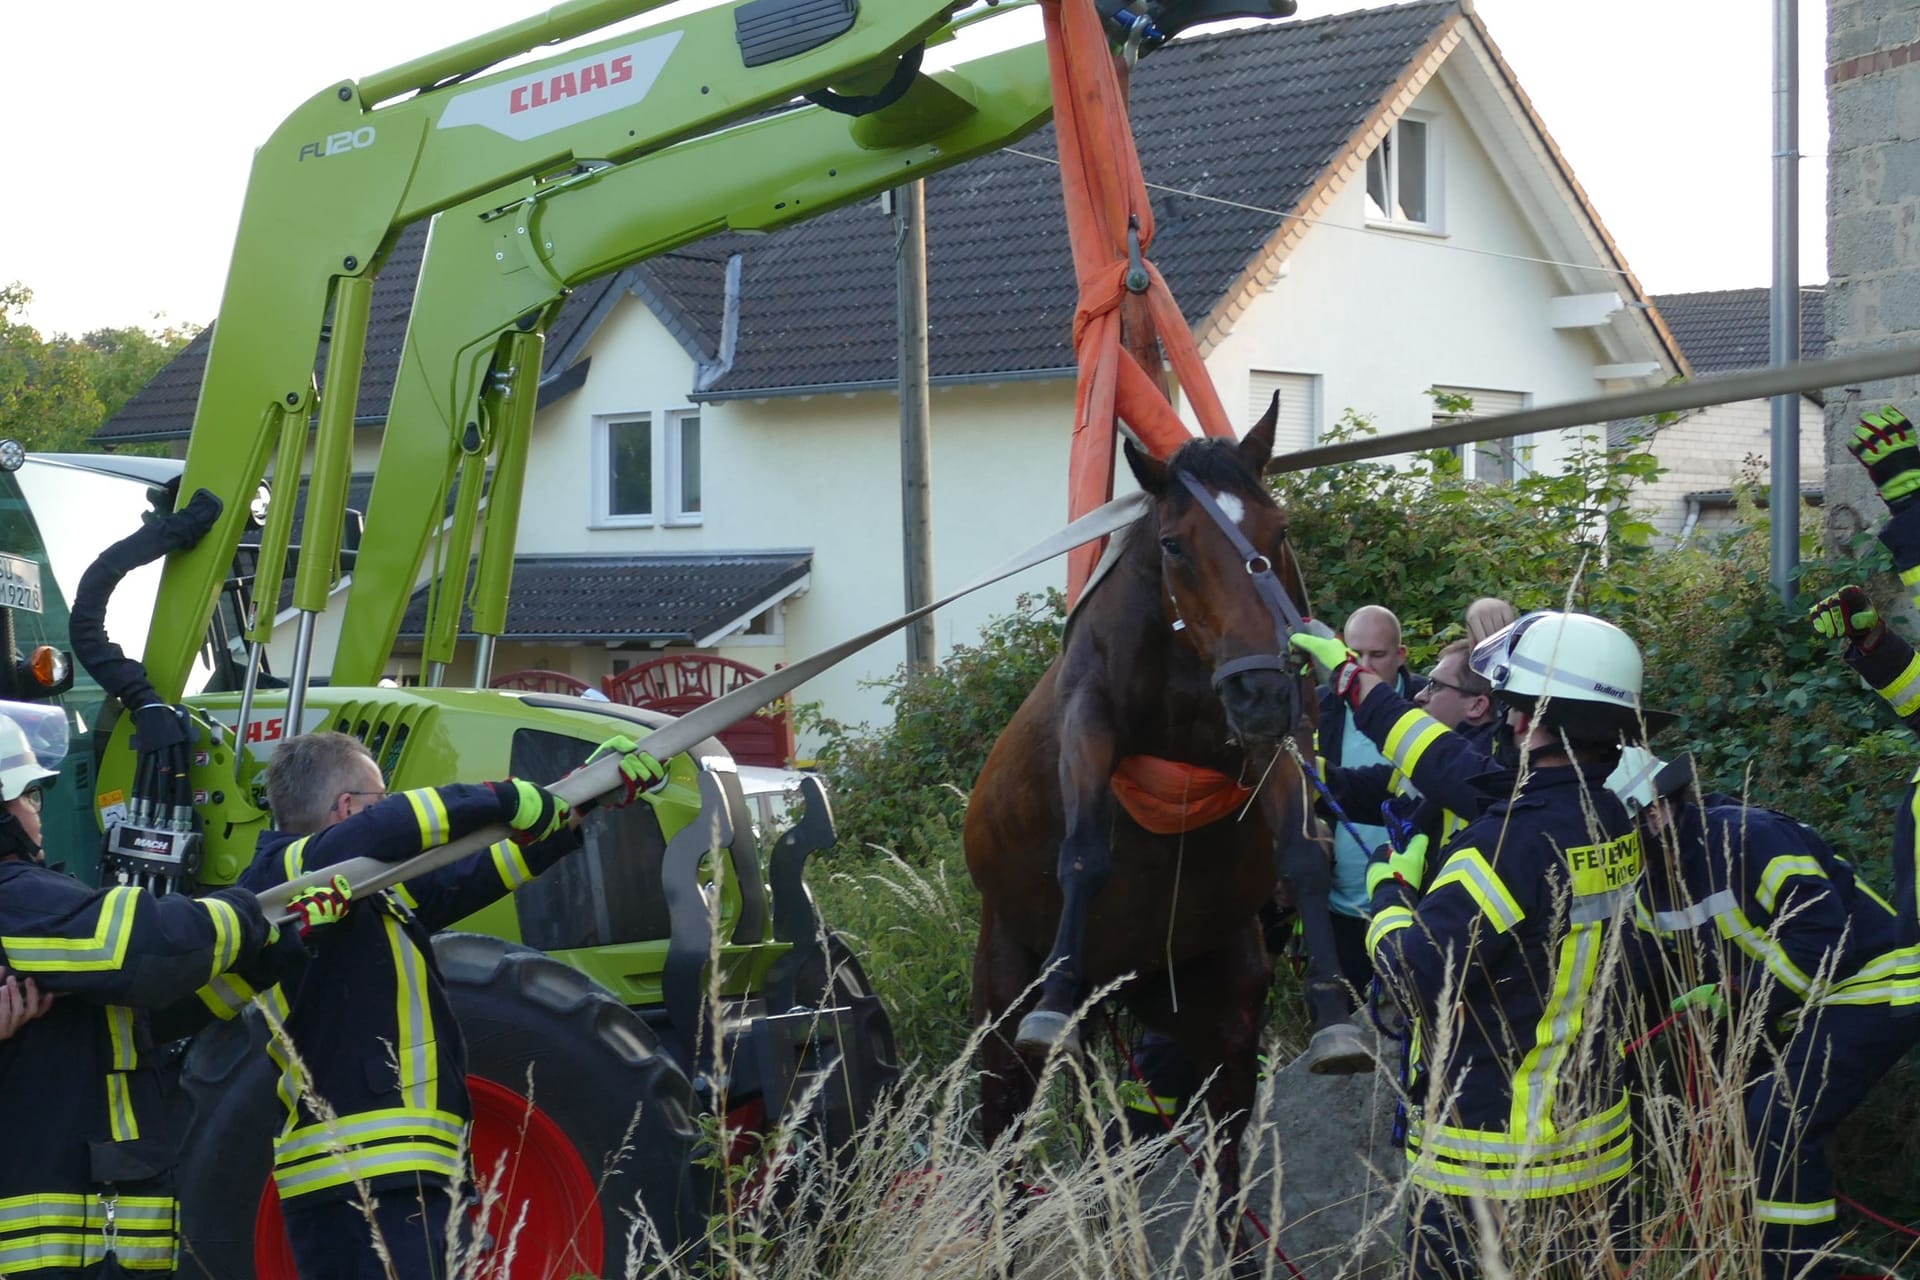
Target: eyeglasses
(377, 795)
(36, 798)
(1437, 683)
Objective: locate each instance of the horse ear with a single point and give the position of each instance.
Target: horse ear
(1150, 471)
(1256, 447)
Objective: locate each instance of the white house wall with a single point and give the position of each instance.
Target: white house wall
(820, 473)
(1380, 316)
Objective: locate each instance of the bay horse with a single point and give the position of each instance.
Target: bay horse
(1178, 652)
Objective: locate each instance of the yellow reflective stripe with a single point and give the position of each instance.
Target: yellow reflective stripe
(1385, 922)
(405, 895)
(54, 1209)
(1903, 691)
(511, 863)
(1468, 869)
(1526, 1182)
(104, 949)
(1793, 1212)
(1409, 739)
(1735, 926)
(1782, 869)
(294, 861)
(1891, 978)
(226, 995)
(289, 1085)
(125, 1125)
(56, 1249)
(366, 1127)
(1861, 886)
(227, 933)
(414, 1050)
(1451, 825)
(122, 1045)
(430, 811)
(1580, 1140)
(359, 1166)
(1537, 1079)
(1910, 577)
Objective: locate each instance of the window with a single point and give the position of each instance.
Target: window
(683, 451)
(1298, 425)
(1494, 461)
(1400, 172)
(627, 489)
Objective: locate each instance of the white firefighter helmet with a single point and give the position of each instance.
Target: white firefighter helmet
(1641, 777)
(1587, 670)
(33, 742)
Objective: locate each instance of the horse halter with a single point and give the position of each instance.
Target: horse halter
(1272, 592)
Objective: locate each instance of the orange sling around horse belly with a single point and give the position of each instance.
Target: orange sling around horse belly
(1106, 197)
(1169, 798)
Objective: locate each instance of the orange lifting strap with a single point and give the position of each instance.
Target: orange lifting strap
(1106, 196)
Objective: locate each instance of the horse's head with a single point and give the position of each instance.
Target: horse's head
(1228, 579)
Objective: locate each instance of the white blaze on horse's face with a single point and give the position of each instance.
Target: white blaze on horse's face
(1235, 509)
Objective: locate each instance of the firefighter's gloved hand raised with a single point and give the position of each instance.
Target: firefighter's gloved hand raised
(1408, 866)
(536, 812)
(639, 771)
(319, 906)
(1848, 614)
(1886, 443)
(1333, 662)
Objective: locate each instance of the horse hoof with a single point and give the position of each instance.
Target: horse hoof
(1338, 1050)
(1044, 1029)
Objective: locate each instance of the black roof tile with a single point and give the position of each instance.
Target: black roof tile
(660, 599)
(1247, 120)
(1726, 331)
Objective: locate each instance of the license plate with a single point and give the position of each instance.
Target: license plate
(19, 584)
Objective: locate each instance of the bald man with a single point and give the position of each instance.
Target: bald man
(1373, 632)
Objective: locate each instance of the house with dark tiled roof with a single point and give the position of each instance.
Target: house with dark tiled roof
(1707, 453)
(1353, 210)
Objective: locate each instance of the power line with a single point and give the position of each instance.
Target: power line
(1429, 243)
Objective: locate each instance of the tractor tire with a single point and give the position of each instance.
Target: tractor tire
(608, 1126)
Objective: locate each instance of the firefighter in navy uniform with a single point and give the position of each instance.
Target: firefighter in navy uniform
(1887, 445)
(86, 1157)
(367, 1017)
(1498, 956)
(1778, 930)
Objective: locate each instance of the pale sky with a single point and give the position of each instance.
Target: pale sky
(131, 126)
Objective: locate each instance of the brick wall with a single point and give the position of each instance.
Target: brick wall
(1708, 450)
(1873, 233)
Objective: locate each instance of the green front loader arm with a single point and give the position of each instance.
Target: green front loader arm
(334, 185)
(502, 263)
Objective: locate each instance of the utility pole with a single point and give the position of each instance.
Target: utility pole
(916, 441)
(1783, 329)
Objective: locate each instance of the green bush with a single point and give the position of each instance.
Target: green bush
(903, 787)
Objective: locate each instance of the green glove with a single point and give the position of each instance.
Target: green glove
(1408, 866)
(1705, 996)
(1341, 664)
(638, 770)
(537, 812)
(1848, 614)
(320, 905)
(1884, 441)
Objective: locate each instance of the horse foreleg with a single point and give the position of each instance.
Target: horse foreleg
(1305, 862)
(1085, 866)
